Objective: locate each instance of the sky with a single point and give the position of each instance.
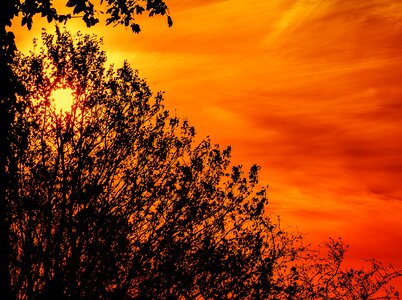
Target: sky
(310, 90)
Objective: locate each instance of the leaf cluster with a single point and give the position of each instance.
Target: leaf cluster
(118, 12)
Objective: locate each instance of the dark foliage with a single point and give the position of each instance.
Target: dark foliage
(115, 12)
(116, 199)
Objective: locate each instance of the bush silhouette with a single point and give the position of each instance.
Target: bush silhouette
(115, 12)
(117, 200)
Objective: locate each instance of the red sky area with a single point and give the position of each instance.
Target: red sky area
(310, 90)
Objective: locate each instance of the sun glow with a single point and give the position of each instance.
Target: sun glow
(63, 99)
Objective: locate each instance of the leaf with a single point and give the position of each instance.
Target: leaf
(29, 23)
(71, 3)
(135, 28)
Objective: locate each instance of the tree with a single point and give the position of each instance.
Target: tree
(116, 12)
(117, 200)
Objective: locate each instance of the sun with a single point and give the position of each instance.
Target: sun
(63, 99)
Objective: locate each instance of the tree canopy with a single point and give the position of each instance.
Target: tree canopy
(117, 199)
(115, 12)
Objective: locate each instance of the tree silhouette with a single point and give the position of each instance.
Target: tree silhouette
(115, 12)
(117, 200)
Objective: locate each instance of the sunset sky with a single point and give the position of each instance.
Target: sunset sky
(310, 90)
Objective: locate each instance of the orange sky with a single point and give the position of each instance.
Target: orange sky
(311, 90)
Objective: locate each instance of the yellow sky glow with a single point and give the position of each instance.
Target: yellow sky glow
(63, 99)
